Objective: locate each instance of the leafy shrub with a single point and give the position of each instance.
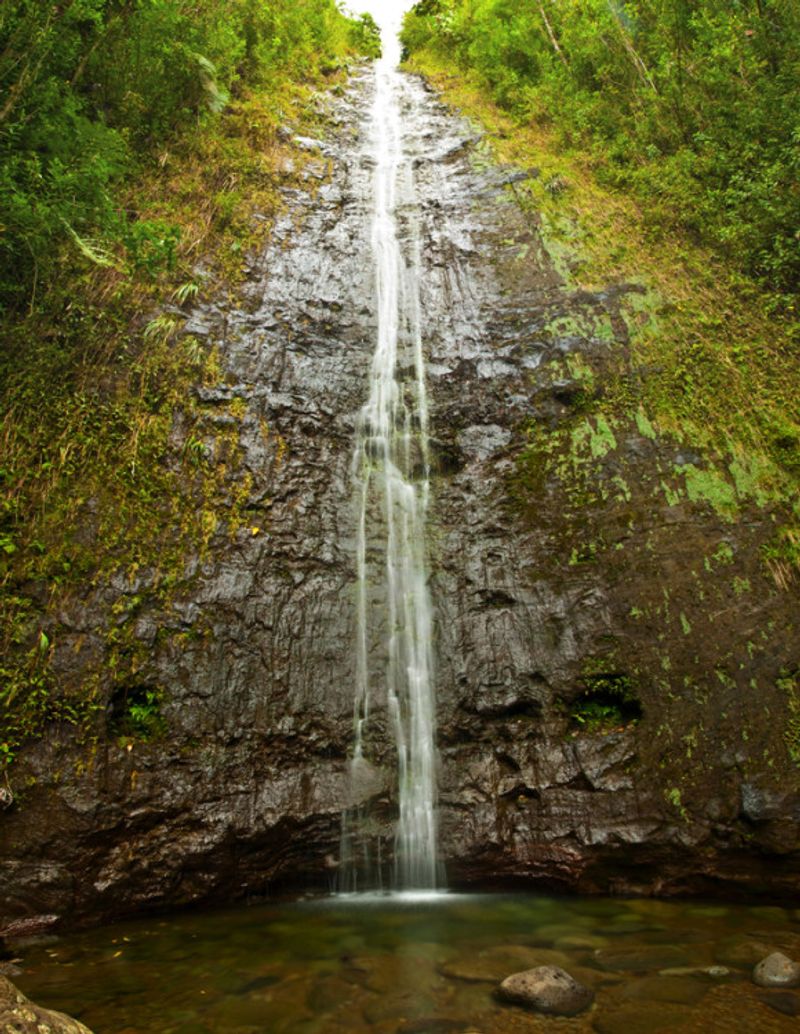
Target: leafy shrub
(366, 36)
(91, 88)
(135, 711)
(693, 106)
(608, 702)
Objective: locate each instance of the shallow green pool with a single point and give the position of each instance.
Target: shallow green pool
(419, 966)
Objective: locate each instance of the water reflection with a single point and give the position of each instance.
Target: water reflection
(400, 964)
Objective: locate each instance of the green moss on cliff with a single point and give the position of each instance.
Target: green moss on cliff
(705, 361)
(789, 683)
(114, 471)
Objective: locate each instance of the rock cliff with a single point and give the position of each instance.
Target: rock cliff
(616, 666)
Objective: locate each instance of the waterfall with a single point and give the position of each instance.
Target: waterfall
(391, 470)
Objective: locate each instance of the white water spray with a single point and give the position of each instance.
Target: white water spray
(391, 465)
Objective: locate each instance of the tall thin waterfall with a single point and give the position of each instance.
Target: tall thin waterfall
(391, 468)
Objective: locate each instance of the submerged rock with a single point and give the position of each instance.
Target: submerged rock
(491, 965)
(782, 1001)
(644, 958)
(777, 970)
(741, 954)
(434, 1025)
(581, 941)
(547, 989)
(19, 1015)
(644, 1018)
(710, 972)
(681, 990)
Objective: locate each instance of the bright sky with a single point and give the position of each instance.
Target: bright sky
(387, 13)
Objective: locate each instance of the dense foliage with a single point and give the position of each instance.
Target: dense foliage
(90, 87)
(143, 158)
(695, 106)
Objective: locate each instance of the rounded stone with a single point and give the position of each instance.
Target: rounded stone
(21, 1016)
(777, 970)
(546, 989)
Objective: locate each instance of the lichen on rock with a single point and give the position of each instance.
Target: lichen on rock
(18, 1015)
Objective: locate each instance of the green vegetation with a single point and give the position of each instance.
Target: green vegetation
(709, 354)
(674, 797)
(93, 90)
(609, 701)
(142, 159)
(136, 713)
(789, 683)
(597, 717)
(782, 555)
(694, 107)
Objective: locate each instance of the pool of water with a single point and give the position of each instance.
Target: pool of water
(419, 965)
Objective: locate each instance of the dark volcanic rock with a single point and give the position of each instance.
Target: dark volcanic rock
(557, 578)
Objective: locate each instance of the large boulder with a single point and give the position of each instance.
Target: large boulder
(18, 1015)
(547, 989)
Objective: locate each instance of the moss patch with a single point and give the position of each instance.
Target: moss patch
(113, 467)
(789, 684)
(709, 363)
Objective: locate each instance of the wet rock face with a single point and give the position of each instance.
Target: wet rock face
(550, 600)
(252, 662)
(583, 579)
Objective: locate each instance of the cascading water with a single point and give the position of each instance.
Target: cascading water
(391, 466)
